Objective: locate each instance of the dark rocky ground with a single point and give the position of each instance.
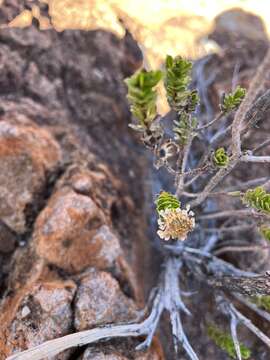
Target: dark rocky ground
(73, 230)
(74, 250)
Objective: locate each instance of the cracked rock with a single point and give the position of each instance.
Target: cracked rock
(28, 153)
(37, 314)
(122, 351)
(64, 230)
(99, 301)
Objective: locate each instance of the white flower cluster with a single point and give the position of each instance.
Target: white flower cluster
(175, 223)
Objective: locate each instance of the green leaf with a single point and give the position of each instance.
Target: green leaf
(225, 342)
(142, 95)
(258, 199)
(183, 127)
(220, 157)
(262, 301)
(165, 201)
(169, 62)
(177, 80)
(265, 231)
(232, 100)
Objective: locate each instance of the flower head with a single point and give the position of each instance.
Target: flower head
(175, 223)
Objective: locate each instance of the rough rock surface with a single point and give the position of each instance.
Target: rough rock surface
(116, 353)
(99, 301)
(64, 231)
(28, 153)
(72, 202)
(236, 26)
(38, 313)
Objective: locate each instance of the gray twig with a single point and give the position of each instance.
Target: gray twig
(264, 314)
(246, 285)
(212, 122)
(261, 146)
(254, 89)
(233, 325)
(245, 321)
(241, 213)
(256, 159)
(229, 309)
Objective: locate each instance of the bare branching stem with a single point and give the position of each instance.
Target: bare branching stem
(254, 89)
(251, 286)
(236, 318)
(214, 181)
(261, 146)
(233, 325)
(246, 185)
(248, 323)
(255, 159)
(236, 228)
(216, 119)
(242, 213)
(181, 177)
(240, 249)
(262, 313)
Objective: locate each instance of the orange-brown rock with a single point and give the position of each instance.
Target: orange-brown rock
(27, 154)
(71, 233)
(99, 184)
(71, 86)
(35, 314)
(99, 301)
(109, 248)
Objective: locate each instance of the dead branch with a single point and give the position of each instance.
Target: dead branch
(240, 249)
(264, 314)
(241, 213)
(251, 286)
(254, 89)
(255, 159)
(229, 309)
